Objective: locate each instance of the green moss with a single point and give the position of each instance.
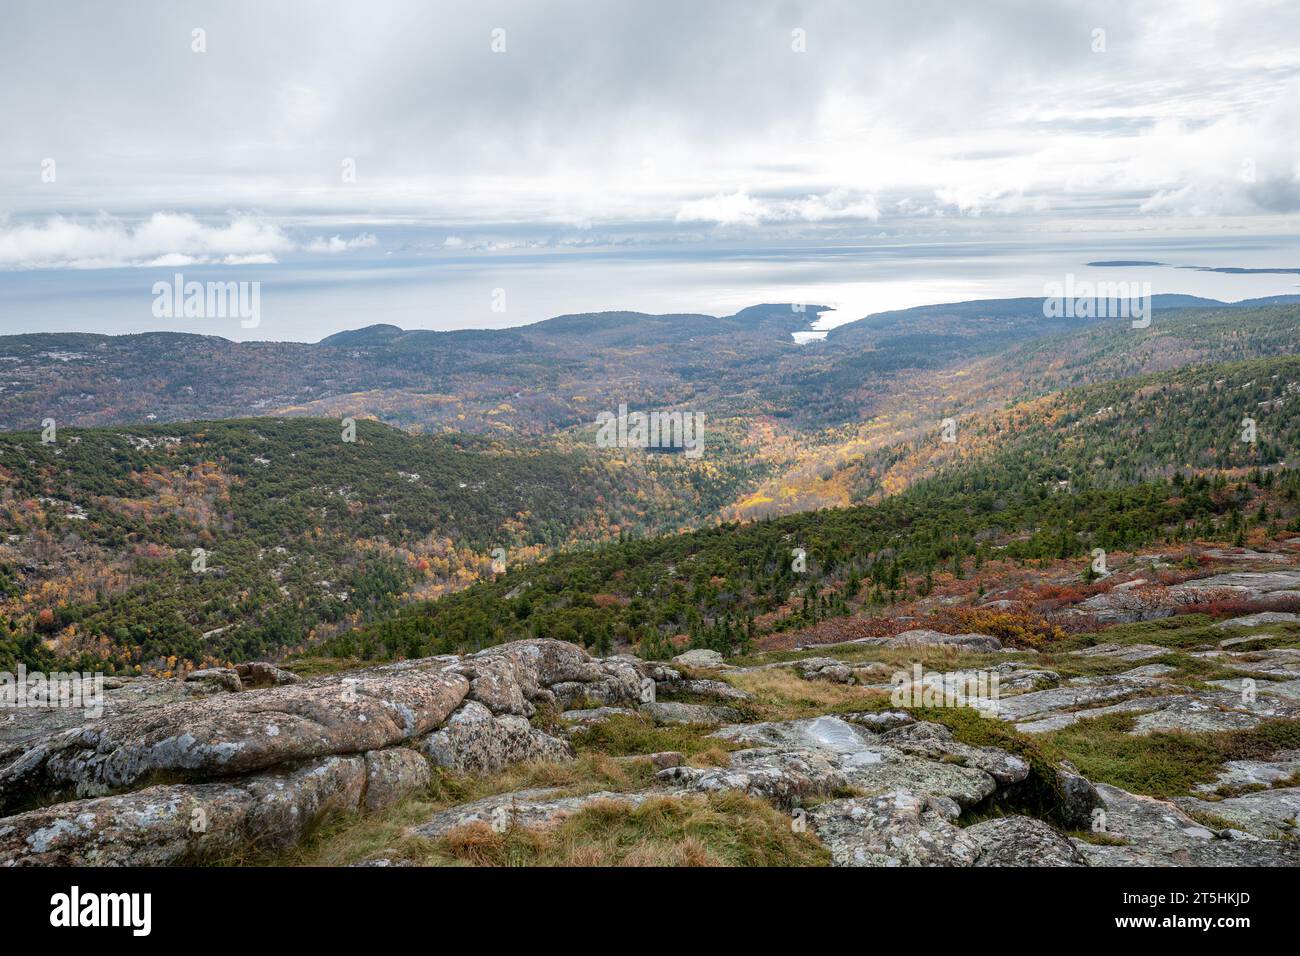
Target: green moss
(1039, 794)
(1164, 763)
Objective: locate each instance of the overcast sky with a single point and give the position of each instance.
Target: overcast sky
(634, 124)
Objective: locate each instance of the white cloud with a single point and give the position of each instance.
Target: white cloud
(1001, 109)
(165, 239)
(739, 208)
(336, 244)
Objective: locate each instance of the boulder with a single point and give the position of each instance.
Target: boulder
(476, 741)
(1021, 841)
(717, 689)
(262, 674)
(879, 720)
(825, 668)
(216, 678)
(393, 774)
(699, 657)
(1078, 796)
(676, 712)
(185, 823)
(591, 716)
(902, 828)
(231, 734)
(922, 637)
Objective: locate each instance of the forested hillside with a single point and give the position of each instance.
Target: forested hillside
(303, 532)
(1117, 466)
(304, 536)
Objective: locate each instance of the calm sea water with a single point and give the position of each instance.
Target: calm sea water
(414, 285)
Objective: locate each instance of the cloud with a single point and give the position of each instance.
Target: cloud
(336, 244)
(739, 208)
(165, 239)
(673, 114)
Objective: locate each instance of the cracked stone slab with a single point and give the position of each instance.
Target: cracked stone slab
(935, 742)
(1264, 617)
(818, 756)
(1245, 582)
(1287, 690)
(1079, 693)
(1121, 652)
(1273, 814)
(1255, 773)
(677, 712)
(184, 823)
(1159, 833)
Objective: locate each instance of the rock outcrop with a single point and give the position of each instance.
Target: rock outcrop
(261, 766)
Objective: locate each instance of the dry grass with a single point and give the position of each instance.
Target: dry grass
(354, 837)
(784, 695)
(727, 829)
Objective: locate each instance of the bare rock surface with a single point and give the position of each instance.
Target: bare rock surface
(266, 763)
(679, 712)
(1021, 841)
(1283, 765)
(1122, 652)
(825, 668)
(935, 742)
(475, 740)
(1159, 833)
(901, 828)
(171, 824)
(700, 658)
(120, 695)
(1254, 620)
(817, 756)
(231, 734)
(1273, 814)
